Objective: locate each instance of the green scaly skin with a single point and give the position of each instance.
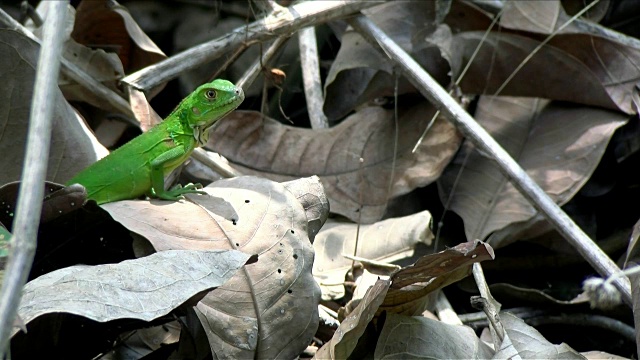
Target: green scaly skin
(140, 166)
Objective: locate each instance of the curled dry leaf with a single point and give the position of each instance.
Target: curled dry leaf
(346, 337)
(270, 308)
(108, 25)
(412, 287)
(102, 66)
(144, 288)
(255, 144)
(558, 145)
(360, 73)
(71, 149)
(388, 240)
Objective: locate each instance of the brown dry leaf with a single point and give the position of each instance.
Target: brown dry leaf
(416, 337)
(360, 73)
(412, 287)
(558, 145)
(71, 148)
(257, 145)
(270, 308)
(109, 26)
(605, 70)
(144, 288)
(346, 337)
(388, 240)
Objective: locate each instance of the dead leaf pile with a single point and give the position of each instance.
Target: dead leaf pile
(351, 241)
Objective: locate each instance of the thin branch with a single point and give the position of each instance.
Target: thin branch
(283, 22)
(311, 77)
(258, 66)
(483, 141)
(25, 226)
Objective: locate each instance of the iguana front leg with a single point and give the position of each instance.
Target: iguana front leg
(158, 165)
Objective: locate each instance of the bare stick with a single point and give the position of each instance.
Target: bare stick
(25, 225)
(482, 140)
(278, 23)
(254, 70)
(74, 72)
(311, 77)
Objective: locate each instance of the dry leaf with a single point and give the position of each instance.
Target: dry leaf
(346, 337)
(270, 308)
(530, 344)
(100, 65)
(71, 149)
(109, 26)
(255, 144)
(361, 73)
(605, 69)
(412, 287)
(558, 145)
(143, 289)
(417, 337)
(388, 240)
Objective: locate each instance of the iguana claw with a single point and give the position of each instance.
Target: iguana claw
(177, 191)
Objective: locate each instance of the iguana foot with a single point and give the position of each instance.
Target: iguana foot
(177, 191)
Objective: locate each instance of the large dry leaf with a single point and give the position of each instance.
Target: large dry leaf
(558, 145)
(545, 17)
(605, 69)
(270, 308)
(71, 149)
(388, 240)
(100, 65)
(143, 289)
(531, 344)
(346, 337)
(255, 144)
(416, 337)
(109, 26)
(360, 73)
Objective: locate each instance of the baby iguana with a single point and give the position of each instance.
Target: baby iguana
(139, 166)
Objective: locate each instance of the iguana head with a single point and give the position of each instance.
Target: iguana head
(210, 103)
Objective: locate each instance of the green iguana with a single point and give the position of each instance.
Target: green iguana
(140, 166)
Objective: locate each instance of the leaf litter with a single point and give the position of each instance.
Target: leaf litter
(560, 135)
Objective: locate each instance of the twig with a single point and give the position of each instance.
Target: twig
(279, 23)
(25, 226)
(311, 77)
(254, 70)
(74, 72)
(214, 162)
(490, 306)
(482, 140)
(445, 311)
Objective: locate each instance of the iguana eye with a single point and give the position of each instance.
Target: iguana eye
(210, 94)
